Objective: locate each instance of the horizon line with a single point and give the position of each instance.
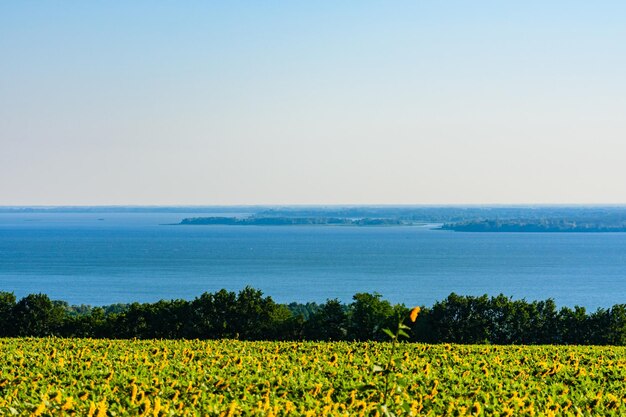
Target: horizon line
(316, 205)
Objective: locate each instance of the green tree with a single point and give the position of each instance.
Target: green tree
(7, 304)
(36, 315)
(368, 315)
(257, 317)
(329, 322)
(167, 319)
(574, 326)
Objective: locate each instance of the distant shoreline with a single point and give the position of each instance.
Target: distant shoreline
(293, 221)
(521, 226)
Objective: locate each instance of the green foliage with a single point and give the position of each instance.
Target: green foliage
(37, 315)
(390, 367)
(85, 377)
(250, 315)
(305, 310)
(7, 305)
(368, 314)
(329, 322)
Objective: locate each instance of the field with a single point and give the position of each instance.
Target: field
(81, 377)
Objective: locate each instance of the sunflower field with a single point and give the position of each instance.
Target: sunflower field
(85, 377)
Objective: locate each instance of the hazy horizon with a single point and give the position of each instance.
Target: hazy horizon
(321, 206)
(281, 103)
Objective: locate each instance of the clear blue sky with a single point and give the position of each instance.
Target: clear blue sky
(416, 102)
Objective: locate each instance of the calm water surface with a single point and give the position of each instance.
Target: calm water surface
(103, 258)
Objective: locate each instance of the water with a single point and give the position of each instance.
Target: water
(104, 258)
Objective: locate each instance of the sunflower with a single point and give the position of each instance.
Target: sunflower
(414, 313)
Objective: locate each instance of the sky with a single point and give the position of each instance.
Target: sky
(350, 102)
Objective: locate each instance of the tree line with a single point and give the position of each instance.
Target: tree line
(249, 315)
(290, 221)
(559, 225)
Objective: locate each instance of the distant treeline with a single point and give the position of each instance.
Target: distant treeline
(249, 315)
(607, 215)
(538, 225)
(289, 221)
